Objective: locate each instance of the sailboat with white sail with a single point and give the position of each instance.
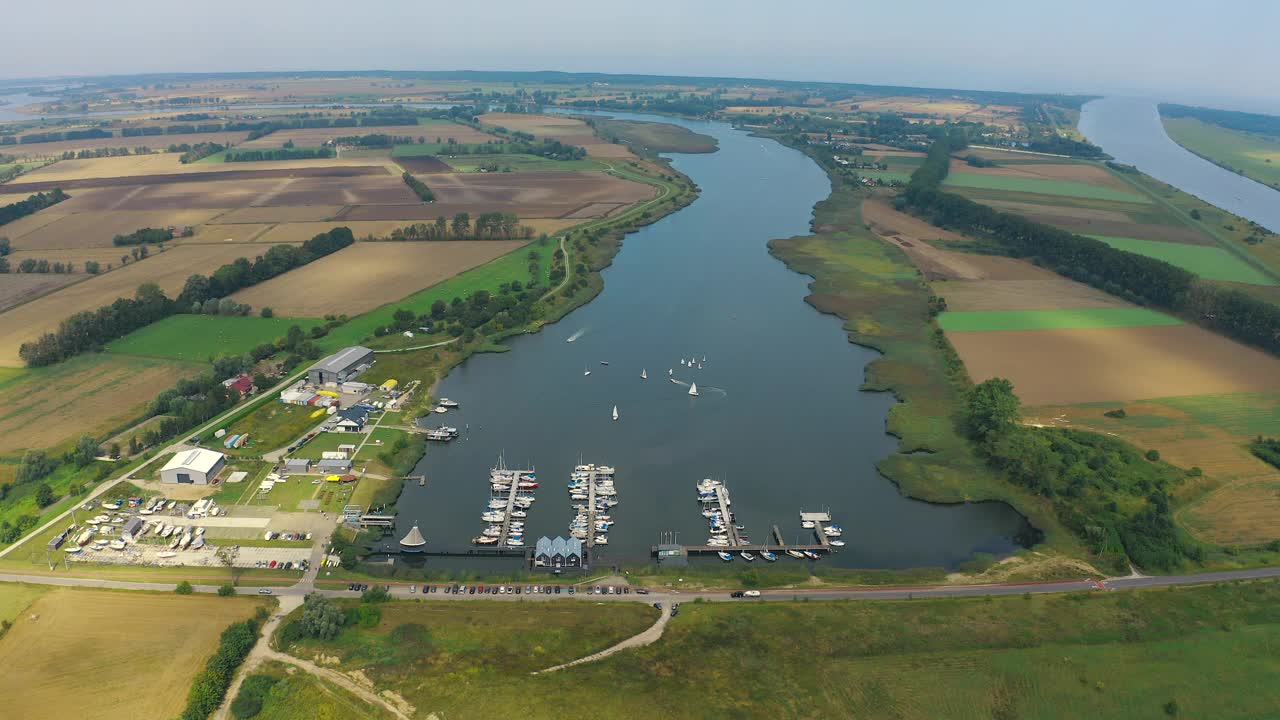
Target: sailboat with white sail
(644, 374)
(615, 412)
(693, 389)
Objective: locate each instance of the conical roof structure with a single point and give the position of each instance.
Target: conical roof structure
(413, 540)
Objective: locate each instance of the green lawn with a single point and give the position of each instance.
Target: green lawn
(432, 148)
(299, 695)
(1254, 156)
(977, 321)
(1042, 187)
(885, 175)
(286, 494)
(327, 442)
(204, 337)
(517, 163)
(15, 597)
(271, 426)
(1214, 263)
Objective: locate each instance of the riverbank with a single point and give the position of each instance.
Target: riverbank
(885, 304)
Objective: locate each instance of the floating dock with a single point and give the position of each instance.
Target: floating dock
(596, 478)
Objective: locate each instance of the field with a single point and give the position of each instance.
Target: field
(1208, 650)
(572, 189)
(201, 338)
(120, 170)
(273, 425)
(951, 108)
(1252, 155)
(648, 138)
(16, 597)
(511, 163)
(104, 645)
(75, 231)
(558, 127)
(1078, 365)
(169, 270)
(298, 695)
(1214, 263)
(369, 274)
(314, 137)
(1107, 317)
(1066, 188)
(155, 142)
(16, 289)
(88, 394)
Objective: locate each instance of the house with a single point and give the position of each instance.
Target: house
(196, 467)
(297, 465)
(341, 366)
(333, 466)
(132, 529)
(558, 553)
(352, 419)
(241, 384)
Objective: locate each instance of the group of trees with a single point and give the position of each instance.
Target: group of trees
(58, 136)
(33, 204)
(1137, 278)
(143, 236)
(487, 226)
(418, 187)
(376, 140)
(1267, 449)
(1104, 490)
(199, 151)
(281, 153)
(511, 307)
(41, 266)
(210, 686)
(90, 153)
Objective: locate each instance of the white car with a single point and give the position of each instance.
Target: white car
(751, 593)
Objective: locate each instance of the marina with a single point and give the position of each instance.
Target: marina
(593, 495)
(511, 496)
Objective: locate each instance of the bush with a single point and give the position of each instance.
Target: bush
(252, 694)
(210, 686)
(375, 594)
(365, 616)
(227, 590)
(184, 588)
(1118, 414)
(1152, 455)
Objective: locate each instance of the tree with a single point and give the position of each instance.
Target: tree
(184, 588)
(991, 407)
(321, 619)
(267, 312)
(92, 267)
(227, 557)
(35, 466)
(86, 450)
(44, 495)
(5, 247)
(226, 590)
(1195, 214)
(375, 594)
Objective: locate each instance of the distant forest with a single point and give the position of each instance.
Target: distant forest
(1230, 119)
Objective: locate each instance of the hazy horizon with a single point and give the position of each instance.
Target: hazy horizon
(1135, 49)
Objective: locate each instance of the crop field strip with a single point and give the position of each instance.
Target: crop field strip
(338, 171)
(1214, 263)
(199, 338)
(1057, 319)
(1064, 188)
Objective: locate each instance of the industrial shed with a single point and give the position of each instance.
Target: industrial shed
(195, 467)
(341, 366)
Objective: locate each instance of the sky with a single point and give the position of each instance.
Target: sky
(1216, 53)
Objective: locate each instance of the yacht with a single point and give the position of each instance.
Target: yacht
(836, 543)
(446, 402)
(644, 374)
(796, 554)
(484, 540)
(725, 556)
(767, 555)
(585, 372)
(602, 540)
(812, 555)
(747, 556)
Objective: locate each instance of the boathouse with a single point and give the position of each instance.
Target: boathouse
(558, 553)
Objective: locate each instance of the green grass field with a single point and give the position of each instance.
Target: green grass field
(298, 695)
(272, 425)
(1209, 650)
(1214, 263)
(204, 337)
(518, 163)
(15, 597)
(1254, 156)
(327, 442)
(1042, 187)
(885, 175)
(978, 321)
(1246, 414)
(431, 148)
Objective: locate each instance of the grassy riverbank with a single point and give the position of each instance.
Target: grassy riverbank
(1203, 652)
(879, 294)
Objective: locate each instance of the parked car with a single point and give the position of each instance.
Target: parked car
(752, 593)
(517, 589)
(264, 591)
(413, 589)
(641, 591)
(571, 590)
(557, 589)
(737, 594)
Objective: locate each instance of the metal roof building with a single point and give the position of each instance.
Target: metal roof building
(197, 467)
(341, 366)
(558, 553)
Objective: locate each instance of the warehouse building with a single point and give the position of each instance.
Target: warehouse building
(341, 366)
(196, 467)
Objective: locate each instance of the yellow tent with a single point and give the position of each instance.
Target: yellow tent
(389, 384)
(333, 478)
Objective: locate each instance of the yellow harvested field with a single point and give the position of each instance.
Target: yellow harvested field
(278, 214)
(1071, 172)
(155, 142)
(909, 234)
(96, 229)
(18, 288)
(168, 163)
(1081, 365)
(1051, 292)
(367, 275)
(48, 407)
(29, 224)
(235, 233)
(88, 654)
(950, 108)
(169, 270)
(103, 255)
(558, 127)
(300, 231)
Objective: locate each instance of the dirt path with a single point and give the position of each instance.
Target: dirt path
(648, 637)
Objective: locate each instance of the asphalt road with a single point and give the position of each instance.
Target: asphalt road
(401, 590)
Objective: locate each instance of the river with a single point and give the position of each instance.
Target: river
(1130, 130)
(779, 417)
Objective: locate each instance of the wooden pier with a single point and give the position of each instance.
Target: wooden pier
(368, 520)
(516, 477)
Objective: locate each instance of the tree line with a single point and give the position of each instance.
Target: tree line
(1134, 277)
(282, 153)
(418, 187)
(143, 236)
(210, 686)
(33, 204)
(93, 329)
(487, 226)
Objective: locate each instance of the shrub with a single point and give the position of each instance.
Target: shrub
(252, 694)
(375, 594)
(227, 590)
(1118, 413)
(210, 686)
(184, 588)
(1152, 455)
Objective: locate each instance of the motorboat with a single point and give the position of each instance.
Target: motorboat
(747, 556)
(602, 540)
(836, 543)
(807, 524)
(111, 506)
(441, 410)
(446, 402)
(725, 556)
(484, 540)
(604, 362)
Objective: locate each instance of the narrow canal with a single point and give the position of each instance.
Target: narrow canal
(779, 416)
